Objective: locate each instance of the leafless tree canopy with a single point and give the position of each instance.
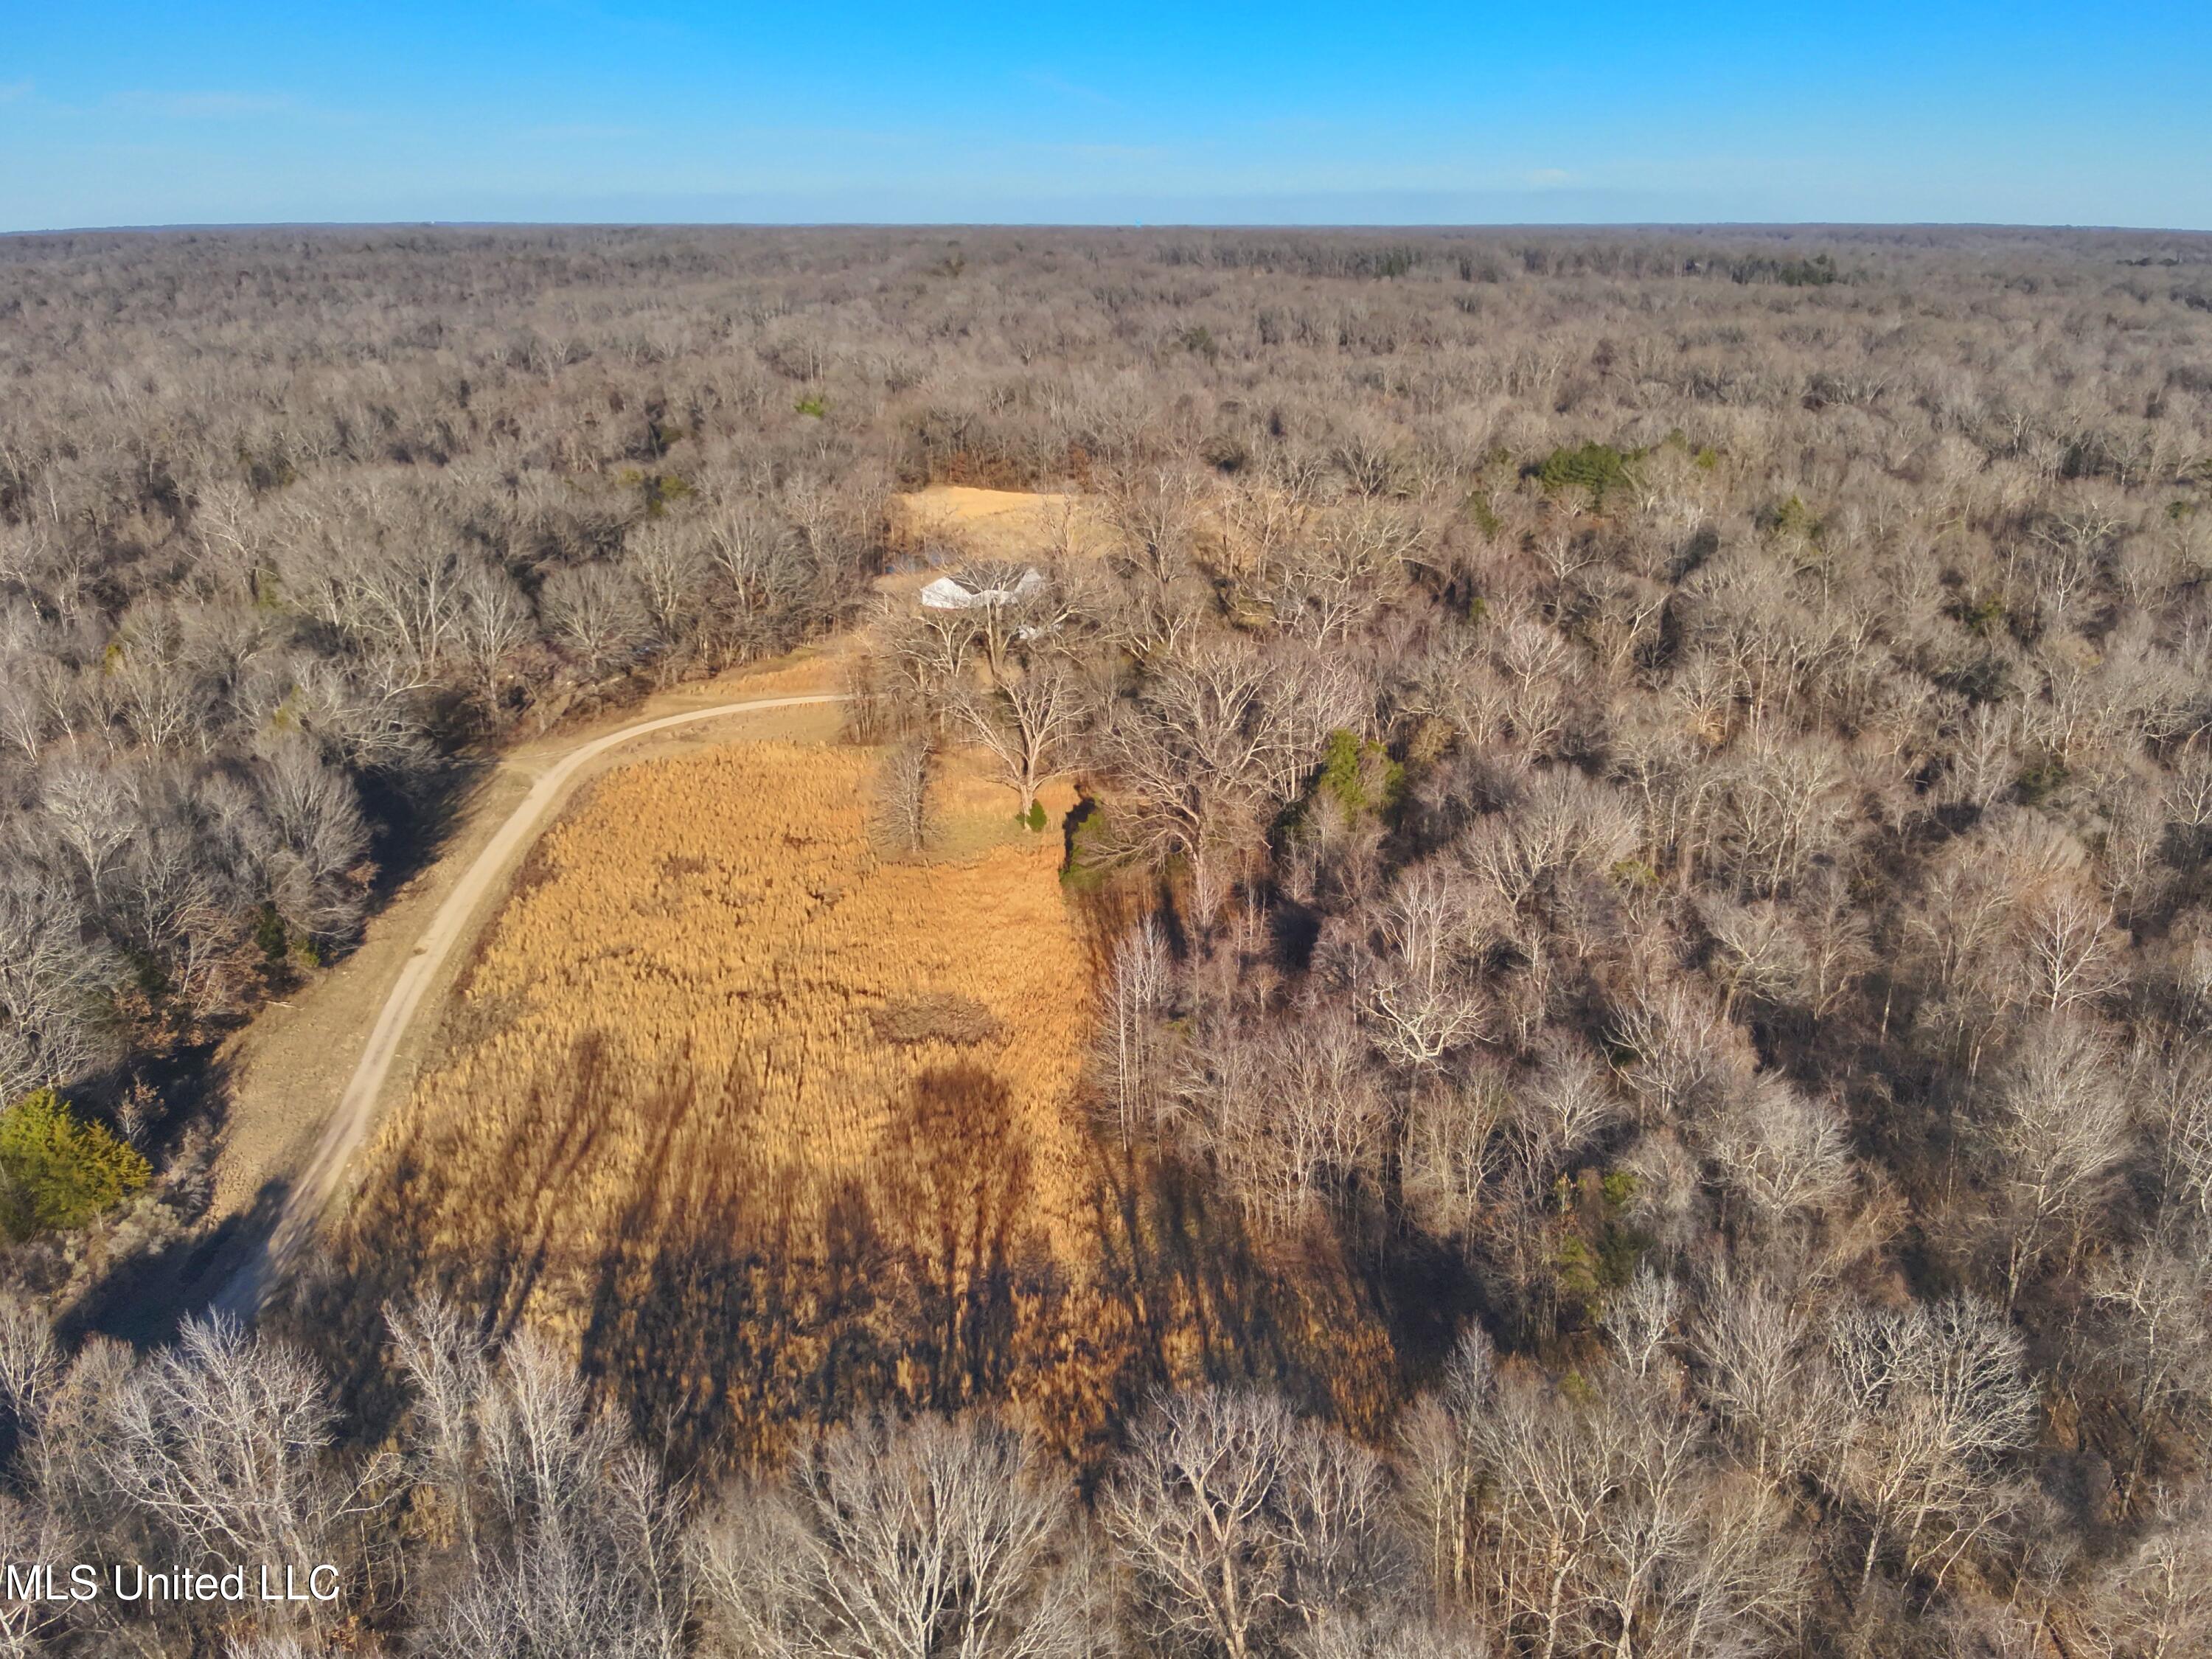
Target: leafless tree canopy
(1646, 799)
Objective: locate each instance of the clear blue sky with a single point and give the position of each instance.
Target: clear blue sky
(173, 112)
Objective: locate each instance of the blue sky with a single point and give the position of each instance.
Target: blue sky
(2029, 112)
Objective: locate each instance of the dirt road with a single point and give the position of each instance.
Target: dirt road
(268, 1259)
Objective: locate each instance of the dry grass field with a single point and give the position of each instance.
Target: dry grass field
(768, 1122)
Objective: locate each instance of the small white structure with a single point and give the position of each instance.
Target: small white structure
(947, 594)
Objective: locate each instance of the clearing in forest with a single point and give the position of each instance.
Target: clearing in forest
(775, 1125)
(717, 1032)
(998, 524)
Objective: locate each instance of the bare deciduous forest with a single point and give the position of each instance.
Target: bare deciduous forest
(1641, 1080)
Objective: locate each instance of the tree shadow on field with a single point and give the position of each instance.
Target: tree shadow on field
(735, 1302)
(547, 1151)
(738, 1306)
(733, 1295)
(1216, 1302)
(425, 1221)
(962, 1168)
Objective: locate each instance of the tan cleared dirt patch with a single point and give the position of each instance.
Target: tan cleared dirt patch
(1016, 524)
(998, 524)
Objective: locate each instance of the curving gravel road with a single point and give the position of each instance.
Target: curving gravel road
(243, 1293)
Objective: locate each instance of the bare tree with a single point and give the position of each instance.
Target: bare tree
(1153, 512)
(1758, 954)
(1936, 1407)
(1778, 809)
(573, 1541)
(916, 1539)
(1787, 1154)
(1679, 1056)
(52, 981)
(1029, 723)
(1010, 602)
(1292, 1114)
(1762, 1371)
(1241, 1524)
(372, 560)
(2071, 948)
(1347, 565)
(448, 1362)
(1416, 970)
(91, 808)
(1130, 1041)
(1455, 1149)
(2154, 1602)
(1191, 754)
(903, 794)
(316, 868)
(1597, 1521)
(494, 621)
(222, 1445)
(600, 612)
(2058, 1133)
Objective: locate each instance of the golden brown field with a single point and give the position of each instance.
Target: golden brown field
(724, 916)
(768, 1121)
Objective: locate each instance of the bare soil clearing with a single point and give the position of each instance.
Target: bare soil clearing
(998, 524)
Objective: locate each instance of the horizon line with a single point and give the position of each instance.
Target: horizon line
(1348, 226)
